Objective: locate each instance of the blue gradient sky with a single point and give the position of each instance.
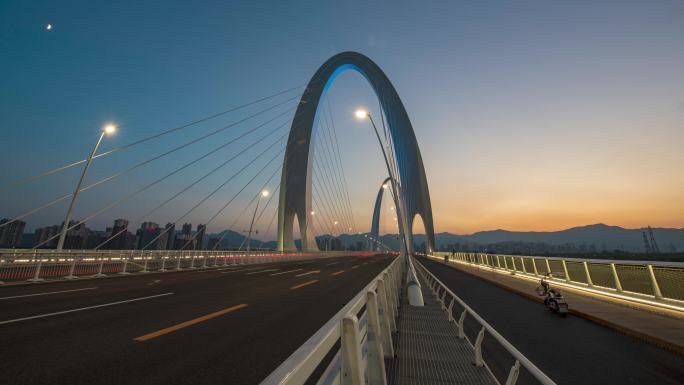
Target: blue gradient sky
(531, 115)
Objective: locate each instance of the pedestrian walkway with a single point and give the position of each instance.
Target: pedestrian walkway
(429, 351)
(662, 327)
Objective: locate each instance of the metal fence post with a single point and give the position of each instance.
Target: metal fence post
(478, 348)
(450, 309)
(72, 269)
(565, 270)
(178, 263)
(616, 279)
(389, 299)
(513, 374)
(163, 266)
(548, 266)
(534, 265)
(586, 270)
(142, 255)
(36, 277)
(99, 269)
(351, 351)
(386, 323)
(654, 282)
(123, 270)
(376, 360)
(461, 319)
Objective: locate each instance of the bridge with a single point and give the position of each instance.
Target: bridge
(308, 309)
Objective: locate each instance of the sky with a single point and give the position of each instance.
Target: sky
(530, 115)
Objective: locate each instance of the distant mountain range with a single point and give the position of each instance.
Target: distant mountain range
(597, 236)
(592, 237)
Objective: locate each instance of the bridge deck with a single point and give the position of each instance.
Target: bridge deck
(429, 351)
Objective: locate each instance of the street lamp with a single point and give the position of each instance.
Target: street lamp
(264, 194)
(362, 114)
(108, 129)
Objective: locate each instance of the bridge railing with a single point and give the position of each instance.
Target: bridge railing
(38, 265)
(351, 347)
(652, 282)
(454, 305)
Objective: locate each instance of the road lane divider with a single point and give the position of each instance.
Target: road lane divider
(309, 273)
(186, 324)
(285, 272)
(262, 271)
(242, 270)
(355, 267)
(338, 272)
(48, 293)
(215, 270)
(307, 283)
(84, 308)
(334, 263)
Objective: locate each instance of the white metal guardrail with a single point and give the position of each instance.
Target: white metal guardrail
(38, 265)
(363, 329)
(651, 282)
(445, 295)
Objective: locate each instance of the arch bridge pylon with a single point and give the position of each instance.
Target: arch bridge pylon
(296, 188)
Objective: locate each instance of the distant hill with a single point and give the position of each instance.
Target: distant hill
(592, 237)
(598, 236)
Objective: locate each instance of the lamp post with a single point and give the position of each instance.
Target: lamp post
(264, 194)
(107, 130)
(362, 114)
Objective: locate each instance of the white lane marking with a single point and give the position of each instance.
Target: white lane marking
(261, 271)
(308, 273)
(82, 308)
(334, 263)
(154, 282)
(238, 271)
(47, 293)
(285, 272)
(215, 270)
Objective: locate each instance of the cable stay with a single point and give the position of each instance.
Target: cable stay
(154, 136)
(119, 201)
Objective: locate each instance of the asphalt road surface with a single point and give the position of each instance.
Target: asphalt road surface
(570, 350)
(231, 325)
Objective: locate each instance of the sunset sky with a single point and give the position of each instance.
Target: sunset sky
(530, 115)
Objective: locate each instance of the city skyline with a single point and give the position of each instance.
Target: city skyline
(560, 157)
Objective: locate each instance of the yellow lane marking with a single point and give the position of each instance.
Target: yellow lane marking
(338, 272)
(185, 324)
(304, 284)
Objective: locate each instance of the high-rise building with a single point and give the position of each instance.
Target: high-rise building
(120, 234)
(76, 237)
(42, 235)
(147, 236)
(10, 234)
(199, 237)
(184, 239)
(170, 235)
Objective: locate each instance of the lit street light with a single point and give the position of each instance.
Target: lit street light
(362, 114)
(109, 129)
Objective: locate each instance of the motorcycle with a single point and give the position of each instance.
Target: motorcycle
(553, 299)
